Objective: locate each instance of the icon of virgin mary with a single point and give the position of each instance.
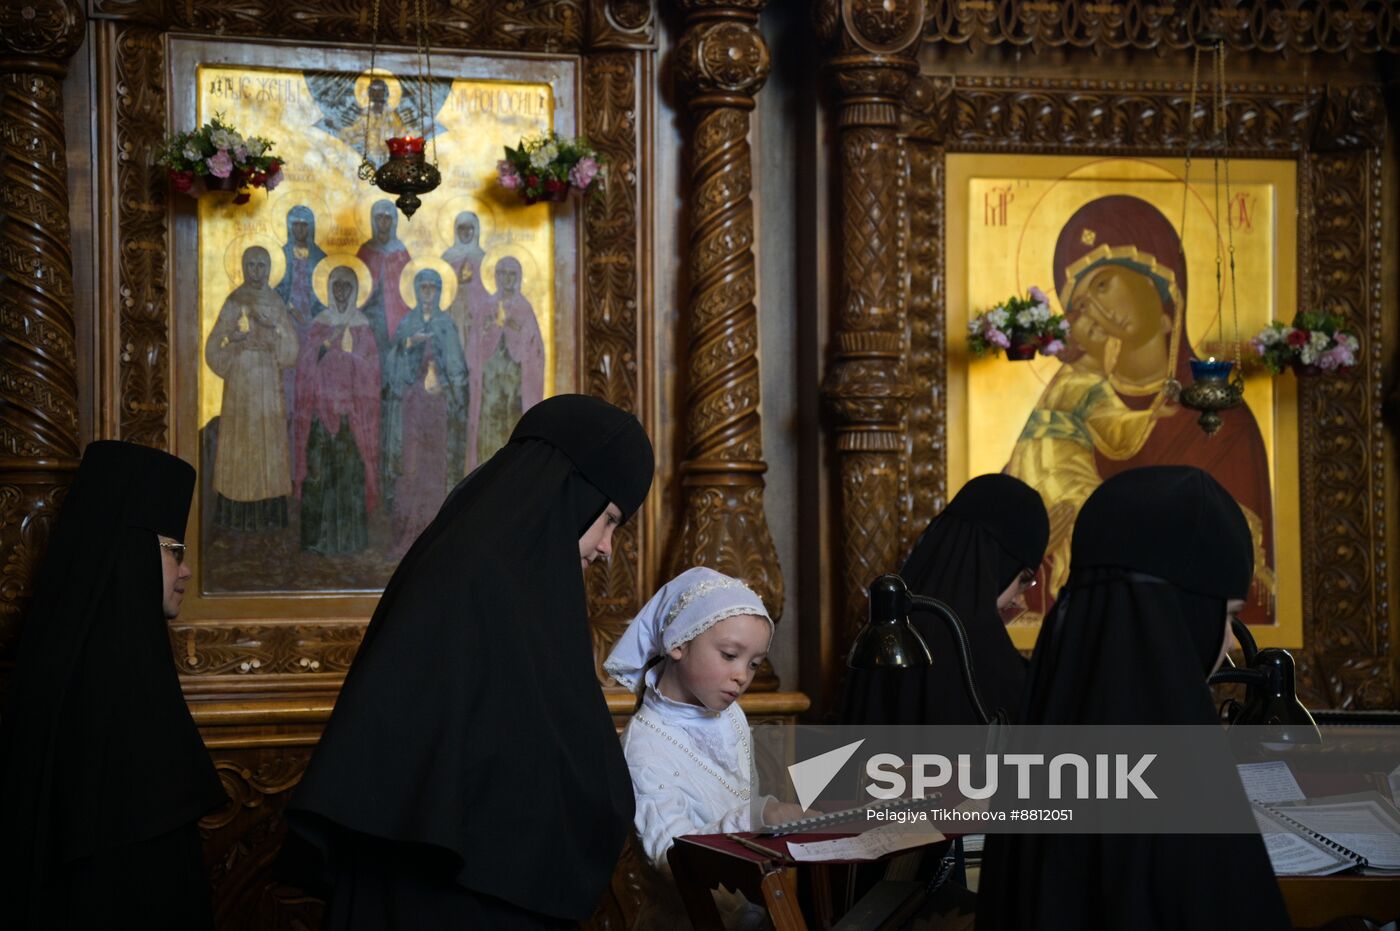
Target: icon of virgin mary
(1121, 276)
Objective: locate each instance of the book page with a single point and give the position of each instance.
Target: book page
(1292, 854)
(1365, 823)
(868, 846)
(1269, 782)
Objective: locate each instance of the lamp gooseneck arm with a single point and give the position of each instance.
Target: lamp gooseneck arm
(955, 627)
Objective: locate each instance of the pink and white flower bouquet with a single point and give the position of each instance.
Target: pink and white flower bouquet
(1022, 326)
(546, 167)
(1314, 343)
(216, 157)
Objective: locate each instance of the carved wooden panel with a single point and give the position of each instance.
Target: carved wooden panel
(309, 651)
(242, 840)
(30, 496)
(928, 415)
(1346, 660)
(134, 80)
(522, 25)
(621, 24)
(612, 271)
(1288, 26)
(38, 353)
(1346, 663)
(722, 62)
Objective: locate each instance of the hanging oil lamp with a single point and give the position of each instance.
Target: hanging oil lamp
(407, 172)
(1216, 384)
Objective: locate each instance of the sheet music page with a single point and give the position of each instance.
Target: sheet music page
(1292, 854)
(1364, 822)
(1269, 782)
(871, 845)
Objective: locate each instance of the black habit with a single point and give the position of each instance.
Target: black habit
(992, 530)
(1156, 554)
(104, 771)
(470, 775)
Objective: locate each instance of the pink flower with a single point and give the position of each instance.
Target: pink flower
(240, 155)
(1337, 357)
(1052, 348)
(274, 179)
(1259, 347)
(996, 337)
(220, 165)
(506, 175)
(1038, 295)
(583, 173)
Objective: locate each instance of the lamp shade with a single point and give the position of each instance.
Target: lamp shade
(1271, 697)
(888, 640)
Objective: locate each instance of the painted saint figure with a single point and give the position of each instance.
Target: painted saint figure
(386, 256)
(375, 123)
(1122, 282)
(473, 301)
(336, 421)
(424, 412)
(505, 353)
(302, 255)
(252, 342)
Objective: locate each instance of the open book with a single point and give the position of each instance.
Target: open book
(1318, 837)
(855, 820)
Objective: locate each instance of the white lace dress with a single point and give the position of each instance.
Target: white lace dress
(690, 771)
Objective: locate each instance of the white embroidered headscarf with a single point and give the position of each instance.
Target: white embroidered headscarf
(681, 610)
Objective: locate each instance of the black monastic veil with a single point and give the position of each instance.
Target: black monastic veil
(104, 771)
(470, 773)
(992, 530)
(1156, 554)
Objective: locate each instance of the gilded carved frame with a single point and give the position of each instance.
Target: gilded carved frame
(1336, 137)
(613, 42)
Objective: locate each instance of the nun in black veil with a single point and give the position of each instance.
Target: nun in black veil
(979, 556)
(1161, 557)
(103, 775)
(470, 775)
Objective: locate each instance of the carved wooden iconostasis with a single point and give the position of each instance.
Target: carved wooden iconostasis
(980, 91)
(100, 333)
(107, 321)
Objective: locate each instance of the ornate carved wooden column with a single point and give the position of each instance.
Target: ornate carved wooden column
(38, 361)
(867, 386)
(721, 62)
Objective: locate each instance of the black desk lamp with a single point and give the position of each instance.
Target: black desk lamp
(889, 641)
(1270, 696)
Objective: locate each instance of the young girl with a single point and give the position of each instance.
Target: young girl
(687, 746)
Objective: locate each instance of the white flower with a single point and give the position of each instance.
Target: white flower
(191, 153)
(222, 139)
(1309, 354)
(1037, 313)
(974, 326)
(1269, 336)
(237, 140)
(542, 156)
(1318, 340)
(256, 146)
(997, 317)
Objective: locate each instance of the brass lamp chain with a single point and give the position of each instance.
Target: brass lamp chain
(366, 171)
(425, 64)
(1179, 314)
(1229, 226)
(1216, 131)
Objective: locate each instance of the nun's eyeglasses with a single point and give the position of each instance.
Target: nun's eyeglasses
(177, 550)
(1027, 579)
